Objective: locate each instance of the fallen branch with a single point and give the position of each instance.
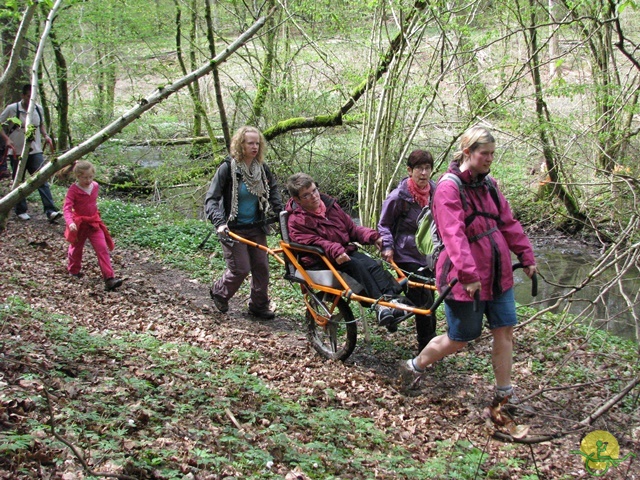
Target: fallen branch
(580, 426)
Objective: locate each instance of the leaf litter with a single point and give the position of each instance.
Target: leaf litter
(450, 405)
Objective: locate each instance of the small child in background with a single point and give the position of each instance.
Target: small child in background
(83, 222)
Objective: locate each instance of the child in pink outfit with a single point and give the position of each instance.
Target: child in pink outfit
(83, 222)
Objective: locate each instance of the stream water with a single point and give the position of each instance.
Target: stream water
(563, 266)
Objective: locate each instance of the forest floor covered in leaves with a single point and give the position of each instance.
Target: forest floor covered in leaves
(205, 424)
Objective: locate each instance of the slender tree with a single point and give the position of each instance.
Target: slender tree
(224, 122)
(577, 217)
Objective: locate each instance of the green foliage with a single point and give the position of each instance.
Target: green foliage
(175, 240)
(13, 442)
(136, 406)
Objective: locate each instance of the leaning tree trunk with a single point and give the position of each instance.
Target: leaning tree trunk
(18, 42)
(578, 218)
(26, 188)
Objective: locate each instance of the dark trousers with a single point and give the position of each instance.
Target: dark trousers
(34, 162)
(370, 274)
(425, 325)
(243, 260)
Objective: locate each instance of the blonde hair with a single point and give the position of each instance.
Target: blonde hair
(83, 166)
(237, 141)
(472, 139)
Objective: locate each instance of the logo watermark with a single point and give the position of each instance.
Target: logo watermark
(600, 451)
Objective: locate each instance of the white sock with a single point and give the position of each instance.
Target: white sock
(414, 367)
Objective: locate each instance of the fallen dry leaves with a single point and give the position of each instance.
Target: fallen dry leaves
(449, 405)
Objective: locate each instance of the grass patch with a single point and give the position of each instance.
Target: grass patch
(150, 406)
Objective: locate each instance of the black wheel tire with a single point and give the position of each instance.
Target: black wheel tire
(336, 340)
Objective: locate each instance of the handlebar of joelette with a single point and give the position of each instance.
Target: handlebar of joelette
(534, 287)
(444, 294)
(534, 279)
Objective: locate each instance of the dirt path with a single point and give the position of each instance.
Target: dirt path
(162, 300)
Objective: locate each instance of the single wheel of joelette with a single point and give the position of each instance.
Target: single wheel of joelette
(335, 340)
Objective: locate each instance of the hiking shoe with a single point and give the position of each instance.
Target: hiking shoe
(408, 375)
(392, 327)
(385, 315)
(510, 402)
(53, 216)
(24, 216)
(263, 313)
(112, 283)
(77, 275)
(397, 313)
(221, 304)
(4, 174)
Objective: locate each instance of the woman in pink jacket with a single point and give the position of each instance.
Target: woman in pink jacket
(479, 233)
(84, 223)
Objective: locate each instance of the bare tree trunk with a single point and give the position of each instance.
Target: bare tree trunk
(597, 27)
(200, 115)
(553, 40)
(224, 122)
(62, 104)
(264, 85)
(383, 135)
(544, 120)
(162, 93)
(199, 112)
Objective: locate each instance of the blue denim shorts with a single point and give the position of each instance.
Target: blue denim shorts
(466, 325)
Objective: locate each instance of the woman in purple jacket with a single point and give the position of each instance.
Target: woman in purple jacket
(479, 233)
(397, 226)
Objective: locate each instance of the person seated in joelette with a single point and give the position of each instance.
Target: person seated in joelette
(317, 219)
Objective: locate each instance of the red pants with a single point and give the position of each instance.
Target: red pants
(99, 244)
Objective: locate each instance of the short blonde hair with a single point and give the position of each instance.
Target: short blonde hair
(472, 139)
(83, 166)
(237, 141)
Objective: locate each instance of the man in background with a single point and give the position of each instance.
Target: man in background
(14, 140)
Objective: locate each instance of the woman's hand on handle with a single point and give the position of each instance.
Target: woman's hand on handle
(530, 270)
(387, 255)
(471, 288)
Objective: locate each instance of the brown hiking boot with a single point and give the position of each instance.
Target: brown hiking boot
(221, 304)
(263, 313)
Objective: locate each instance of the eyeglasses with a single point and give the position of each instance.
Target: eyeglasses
(422, 168)
(310, 194)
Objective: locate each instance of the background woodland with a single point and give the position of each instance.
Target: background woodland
(150, 91)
